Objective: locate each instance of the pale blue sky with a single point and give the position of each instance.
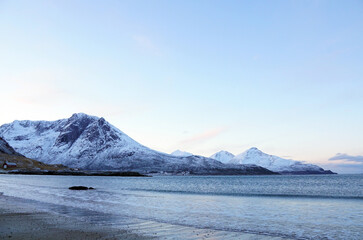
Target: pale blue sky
(200, 76)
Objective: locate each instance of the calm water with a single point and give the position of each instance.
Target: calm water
(297, 207)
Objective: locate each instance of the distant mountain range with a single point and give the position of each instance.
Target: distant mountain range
(273, 163)
(257, 157)
(91, 143)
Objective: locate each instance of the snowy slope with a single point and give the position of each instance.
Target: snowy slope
(179, 153)
(223, 156)
(274, 163)
(6, 148)
(89, 142)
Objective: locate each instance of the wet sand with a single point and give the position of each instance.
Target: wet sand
(20, 222)
(21, 219)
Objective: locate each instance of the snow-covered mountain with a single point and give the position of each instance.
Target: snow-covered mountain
(20, 163)
(223, 156)
(89, 142)
(6, 148)
(276, 164)
(179, 153)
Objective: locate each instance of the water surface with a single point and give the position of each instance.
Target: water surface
(295, 207)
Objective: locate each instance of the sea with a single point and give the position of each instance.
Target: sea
(204, 207)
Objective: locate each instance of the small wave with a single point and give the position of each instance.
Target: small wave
(282, 195)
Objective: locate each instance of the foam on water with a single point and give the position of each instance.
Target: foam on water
(299, 207)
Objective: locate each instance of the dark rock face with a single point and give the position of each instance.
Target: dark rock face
(74, 127)
(6, 148)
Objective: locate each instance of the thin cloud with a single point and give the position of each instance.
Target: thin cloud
(346, 157)
(202, 137)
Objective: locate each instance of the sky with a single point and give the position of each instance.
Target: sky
(199, 76)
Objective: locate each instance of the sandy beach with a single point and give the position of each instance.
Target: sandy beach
(24, 222)
(42, 207)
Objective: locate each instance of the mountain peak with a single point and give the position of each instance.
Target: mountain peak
(252, 151)
(275, 163)
(227, 152)
(82, 116)
(222, 156)
(255, 149)
(74, 128)
(180, 153)
(224, 153)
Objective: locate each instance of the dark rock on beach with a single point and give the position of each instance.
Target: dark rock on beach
(80, 188)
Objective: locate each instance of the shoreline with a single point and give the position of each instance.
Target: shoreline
(20, 219)
(76, 173)
(25, 222)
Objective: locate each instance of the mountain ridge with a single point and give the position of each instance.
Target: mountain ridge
(223, 156)
(273, 163)
(91, 143)
(5, 148)
(181, 153)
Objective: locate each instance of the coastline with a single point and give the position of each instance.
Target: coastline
(24, 222)
(206, 207)
(20, 219)
(74, 173)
